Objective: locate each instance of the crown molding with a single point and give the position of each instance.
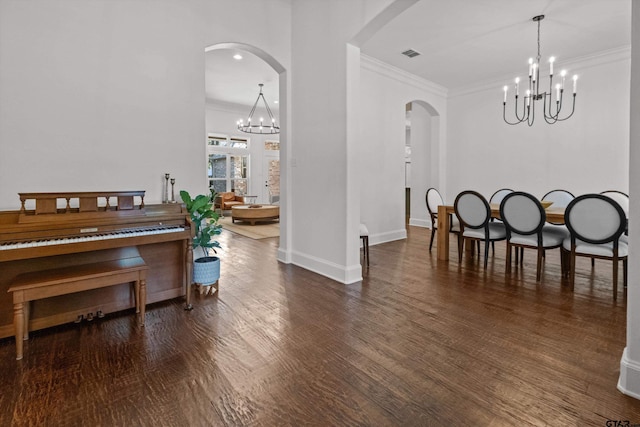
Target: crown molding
(579, 63)
(382, 68)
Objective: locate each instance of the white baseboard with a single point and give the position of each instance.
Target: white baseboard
(629, 381)
(426, 223)
(284, 256)
(339, 273)
(390, 236)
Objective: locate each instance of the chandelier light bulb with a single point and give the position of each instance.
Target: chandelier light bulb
(557, 92)
(506, 88)
(575, 83)
(533, 68)
(551, 61)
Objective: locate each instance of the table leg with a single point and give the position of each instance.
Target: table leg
(443, 234)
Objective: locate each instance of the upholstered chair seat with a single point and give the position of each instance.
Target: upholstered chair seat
(496, 232)
(602, 250)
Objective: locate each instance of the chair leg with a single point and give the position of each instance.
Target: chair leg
(493, 248)
(433, 233)
(460, 247)
(521, 256)
(539, 264)
(572, 269)
(615, 278)
(367, 246)
(593, 262)
(486, 253)
(508, 265)
(624, 273)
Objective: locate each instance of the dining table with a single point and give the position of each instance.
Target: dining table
(554, 215)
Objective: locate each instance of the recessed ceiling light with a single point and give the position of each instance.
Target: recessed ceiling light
(275, 102)
(237, 57)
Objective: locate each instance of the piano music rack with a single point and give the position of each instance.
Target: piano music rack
(90, 205)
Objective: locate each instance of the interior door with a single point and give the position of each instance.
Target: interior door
(271, 188)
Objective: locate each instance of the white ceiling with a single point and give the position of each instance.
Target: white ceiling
(462, 43)
(236, 81)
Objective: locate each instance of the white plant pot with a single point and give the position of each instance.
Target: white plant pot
(206, 270)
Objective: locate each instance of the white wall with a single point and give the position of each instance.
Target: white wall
(385, 91)
(103, 95)
(629, 380)
(324, 113)
(587, 153)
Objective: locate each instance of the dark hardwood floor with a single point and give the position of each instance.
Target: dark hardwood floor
(416, 343)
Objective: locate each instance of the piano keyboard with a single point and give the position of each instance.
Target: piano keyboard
(118, 234)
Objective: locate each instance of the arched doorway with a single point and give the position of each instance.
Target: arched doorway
(282, 96)
(422, 144)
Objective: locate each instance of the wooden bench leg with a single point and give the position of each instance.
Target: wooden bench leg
(142, 302)
(136, 291)
(27, 311)
(18, 322)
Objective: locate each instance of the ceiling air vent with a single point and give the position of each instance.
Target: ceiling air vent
(411, 53)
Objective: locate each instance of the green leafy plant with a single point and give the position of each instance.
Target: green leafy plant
(205, 220)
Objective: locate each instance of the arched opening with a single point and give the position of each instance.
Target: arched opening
(266, 181)
(421, 159)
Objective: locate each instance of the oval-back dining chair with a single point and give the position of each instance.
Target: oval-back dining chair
(524, 218)
(560, 199)
(621, 198)
(474, 214)
(596, 223)
(433, 200)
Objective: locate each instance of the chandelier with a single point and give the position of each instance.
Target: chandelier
(253, 126)
(525, 110)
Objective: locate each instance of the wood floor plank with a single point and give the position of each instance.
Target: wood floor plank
(417, 343)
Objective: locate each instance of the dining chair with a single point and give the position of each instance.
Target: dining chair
(560, 199)
(621, 198)
(623, 201)
(496, 199)
(596, 223)
(364, 235)
(433, 200)
(524, 219)
(474, 213)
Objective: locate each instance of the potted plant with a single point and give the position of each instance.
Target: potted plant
(206, 269)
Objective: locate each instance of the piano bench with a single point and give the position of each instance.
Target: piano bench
(36, 285)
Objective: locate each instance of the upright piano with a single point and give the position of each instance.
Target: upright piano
(52, 230)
